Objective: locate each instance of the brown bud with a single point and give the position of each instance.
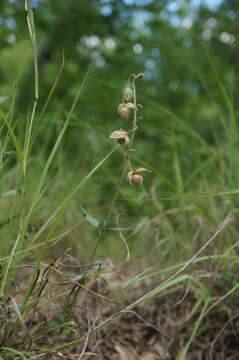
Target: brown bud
(124, 110)
(128, 94)
(135, 178)
(140, 76)
(121, 136)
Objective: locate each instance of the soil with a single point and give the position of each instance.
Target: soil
(156, 330)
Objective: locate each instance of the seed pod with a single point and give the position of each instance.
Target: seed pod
(128, 94)
(124, 110)
(121, 136)
(135, 178)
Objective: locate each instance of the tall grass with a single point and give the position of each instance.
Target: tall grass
(27, 197)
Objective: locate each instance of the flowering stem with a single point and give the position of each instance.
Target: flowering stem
(134, 127)
(128, 166)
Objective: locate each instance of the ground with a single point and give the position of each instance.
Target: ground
(159, 329)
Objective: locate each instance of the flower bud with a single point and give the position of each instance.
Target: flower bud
(135, 178)
(123, 110)
(121, 136)
(128, 94)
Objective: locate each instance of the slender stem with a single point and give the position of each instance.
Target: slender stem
(115, 198)
(134, 128)
(31, 29)
(128, 165)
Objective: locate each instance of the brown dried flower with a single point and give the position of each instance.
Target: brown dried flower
(135, 178)
(121, 136)
(124, 110)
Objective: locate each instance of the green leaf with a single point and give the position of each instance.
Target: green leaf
(91, 220)
(101, 225)
(9, 193)
(120, 229)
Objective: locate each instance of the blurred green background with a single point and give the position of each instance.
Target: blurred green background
(188, 133)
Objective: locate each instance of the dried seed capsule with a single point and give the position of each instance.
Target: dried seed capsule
(121, 136)
(124, 110)
(135, 178)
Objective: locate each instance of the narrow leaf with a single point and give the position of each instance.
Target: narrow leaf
(91, 220)
(9, 193)
(120, 229)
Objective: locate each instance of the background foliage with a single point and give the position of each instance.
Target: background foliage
(188, 51)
